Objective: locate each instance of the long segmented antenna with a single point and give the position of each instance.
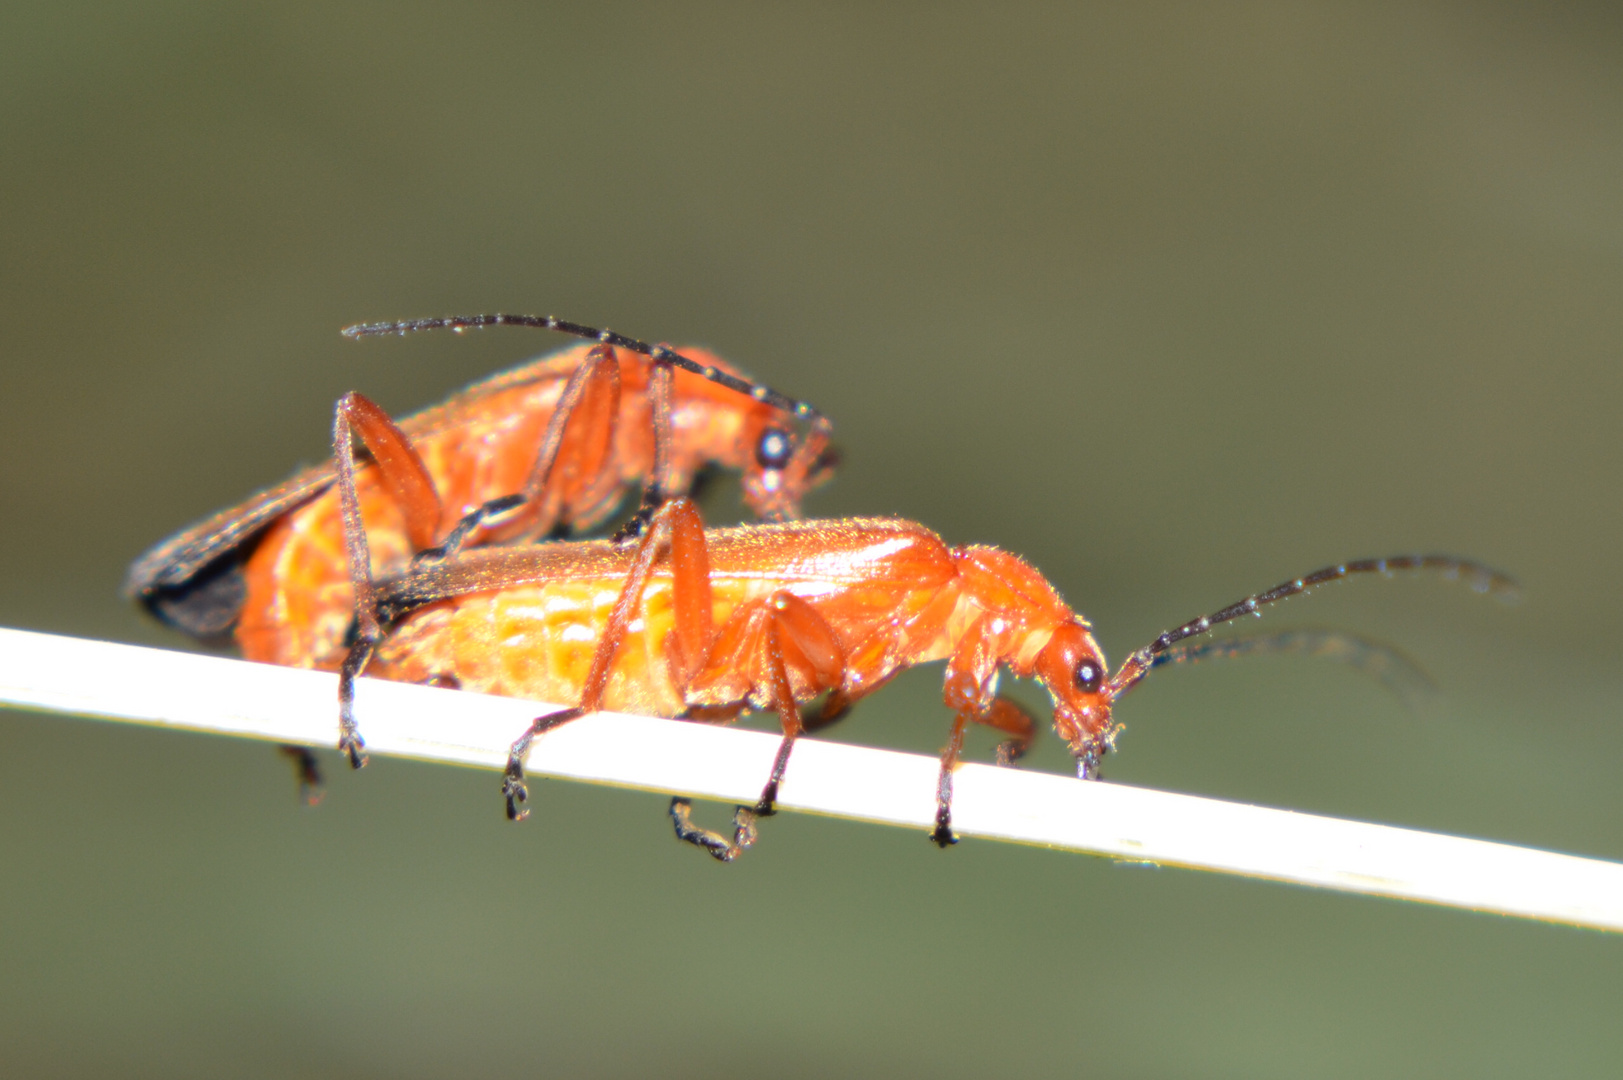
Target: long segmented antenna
(659, 353)
(1396, 673)
(1480, 578)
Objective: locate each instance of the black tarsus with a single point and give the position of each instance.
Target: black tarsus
(308, 771)
(514, 789)
(768, 803)
(719, 847)
(355, 661)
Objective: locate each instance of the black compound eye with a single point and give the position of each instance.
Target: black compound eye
(774, 449)
(1089, 675)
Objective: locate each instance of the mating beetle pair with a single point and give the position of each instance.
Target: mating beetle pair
(421, 563)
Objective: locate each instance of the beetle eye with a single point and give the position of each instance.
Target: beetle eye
(1089, 675)
(774, 449)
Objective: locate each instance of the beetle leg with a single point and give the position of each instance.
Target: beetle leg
(660, 483)
(724, 850)
(1013, 720)
(675, 525)
(942, 834)
(355, 661)
(513, 787)
(404, 474)
(970, 690)
(1001, 715)
(797, 635)
(783, 703)
(577, 440)
(470, 523)
(401, 468)
(783, 642)
(308, 771)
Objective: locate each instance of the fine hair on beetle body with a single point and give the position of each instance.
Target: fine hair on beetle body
(708, 624)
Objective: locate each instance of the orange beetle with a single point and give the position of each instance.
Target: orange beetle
(570, 433)
(707, 625)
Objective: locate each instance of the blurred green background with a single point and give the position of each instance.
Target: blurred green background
(1174, 301)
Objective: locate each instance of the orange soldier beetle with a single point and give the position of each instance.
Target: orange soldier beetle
(569, 433)
(707, 625)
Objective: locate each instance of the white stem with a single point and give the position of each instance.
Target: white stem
(123, 682)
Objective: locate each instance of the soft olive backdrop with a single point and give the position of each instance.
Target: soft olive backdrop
(1176, 303)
